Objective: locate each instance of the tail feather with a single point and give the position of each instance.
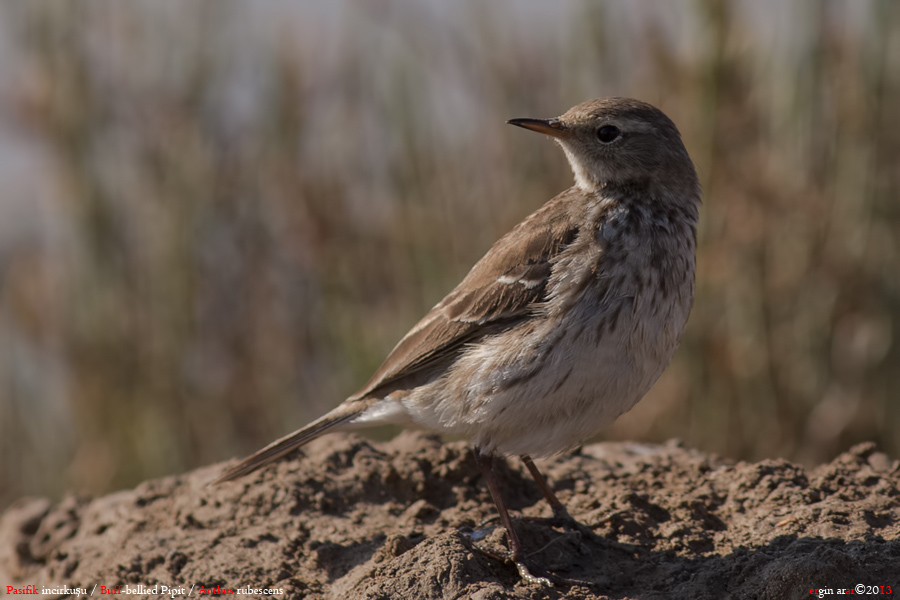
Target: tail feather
(287, 444)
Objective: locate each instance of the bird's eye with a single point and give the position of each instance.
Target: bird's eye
(608, 133)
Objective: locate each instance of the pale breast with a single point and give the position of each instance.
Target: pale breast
(600, 342)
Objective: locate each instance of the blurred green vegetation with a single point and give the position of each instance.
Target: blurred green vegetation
(244, 207)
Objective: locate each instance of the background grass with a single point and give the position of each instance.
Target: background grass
(218, 217)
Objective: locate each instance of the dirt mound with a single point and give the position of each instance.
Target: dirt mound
(355, 519)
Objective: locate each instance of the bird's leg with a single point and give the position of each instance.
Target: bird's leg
(486, 463)
(561, 516)
(559, 511)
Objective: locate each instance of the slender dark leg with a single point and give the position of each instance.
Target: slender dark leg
(486, 463)
(559, 511)
(561, 516)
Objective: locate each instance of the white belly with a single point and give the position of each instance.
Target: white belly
(545, 390)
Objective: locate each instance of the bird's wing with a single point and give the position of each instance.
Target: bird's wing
(499, 291)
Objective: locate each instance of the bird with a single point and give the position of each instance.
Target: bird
(566, 322)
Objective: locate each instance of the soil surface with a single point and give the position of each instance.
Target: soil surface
(349, 518)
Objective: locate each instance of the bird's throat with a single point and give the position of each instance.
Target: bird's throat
(584, 179)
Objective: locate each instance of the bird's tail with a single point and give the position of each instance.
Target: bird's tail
(288, 443)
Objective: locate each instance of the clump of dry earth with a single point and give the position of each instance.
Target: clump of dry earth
(349, 518)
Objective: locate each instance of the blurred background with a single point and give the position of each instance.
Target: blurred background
(218, 217)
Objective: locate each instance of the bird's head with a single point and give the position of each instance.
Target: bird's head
(618, 140)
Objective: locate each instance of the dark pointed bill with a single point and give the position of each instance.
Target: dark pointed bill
(551, 127)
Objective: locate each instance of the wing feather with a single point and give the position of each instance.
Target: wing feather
(500, 291)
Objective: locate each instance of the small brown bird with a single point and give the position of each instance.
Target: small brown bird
(565, 323)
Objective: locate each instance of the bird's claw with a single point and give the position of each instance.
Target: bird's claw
(564, 520)
(474, 536)
(527, 577)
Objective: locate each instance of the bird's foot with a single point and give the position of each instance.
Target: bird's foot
(527, 576)
(530, 575)
(562, 518)
(559, 519)
(545, 578)
(477, 535)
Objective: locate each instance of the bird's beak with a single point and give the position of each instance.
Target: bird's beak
(551, 127)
